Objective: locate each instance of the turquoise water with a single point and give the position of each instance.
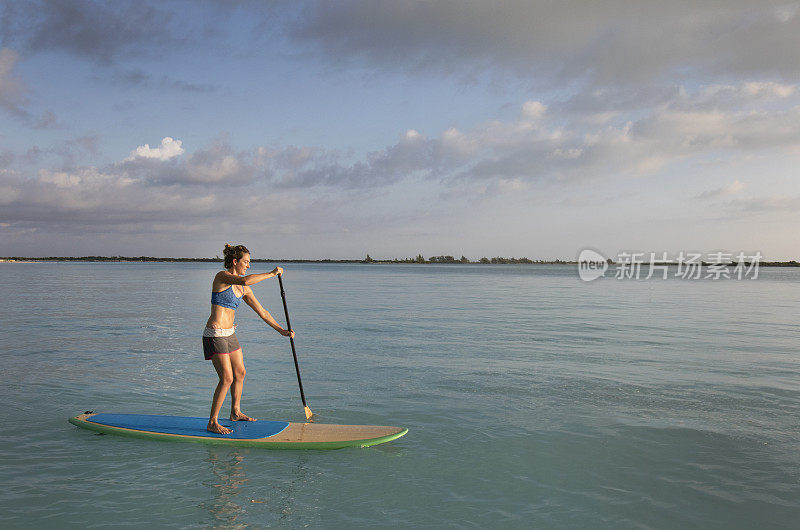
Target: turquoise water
(532, 399)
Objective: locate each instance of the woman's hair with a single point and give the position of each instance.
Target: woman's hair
(233, 252)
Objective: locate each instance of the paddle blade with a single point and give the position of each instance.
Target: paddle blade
(308, 412)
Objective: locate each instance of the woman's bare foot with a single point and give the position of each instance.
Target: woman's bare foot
(241, 416)
(215, 427)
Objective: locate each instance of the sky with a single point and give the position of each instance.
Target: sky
(308, 129)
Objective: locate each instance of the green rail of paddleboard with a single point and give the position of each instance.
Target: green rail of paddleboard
(257, 442)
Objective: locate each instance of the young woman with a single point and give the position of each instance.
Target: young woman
(220, 344)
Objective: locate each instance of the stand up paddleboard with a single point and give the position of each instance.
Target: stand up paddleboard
(261, 433)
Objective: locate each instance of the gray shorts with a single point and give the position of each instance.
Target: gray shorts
(220, 345)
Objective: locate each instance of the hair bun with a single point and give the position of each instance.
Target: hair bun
(233, 252)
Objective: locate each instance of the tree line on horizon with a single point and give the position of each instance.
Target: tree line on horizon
(419, 258)
(497, 260)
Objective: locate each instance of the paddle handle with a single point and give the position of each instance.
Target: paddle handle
(291, 341)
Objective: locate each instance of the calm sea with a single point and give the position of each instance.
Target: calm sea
(532, 399)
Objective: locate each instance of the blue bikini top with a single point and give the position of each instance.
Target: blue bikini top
(226, 298)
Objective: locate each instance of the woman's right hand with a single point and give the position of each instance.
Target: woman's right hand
(277, 271)
(287, 333)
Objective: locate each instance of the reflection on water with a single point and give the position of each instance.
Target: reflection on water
(236, 502)
(227, 478)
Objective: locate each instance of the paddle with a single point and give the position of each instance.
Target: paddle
(294, 353)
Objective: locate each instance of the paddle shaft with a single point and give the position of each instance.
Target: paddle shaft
(291, 340)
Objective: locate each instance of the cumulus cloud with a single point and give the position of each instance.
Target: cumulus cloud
(164, 183)
(9, 191)
(536, 146)
(772, 89)
(533, 109)
(75, 204)
(217, 163)
(89, 195)
(169, 148)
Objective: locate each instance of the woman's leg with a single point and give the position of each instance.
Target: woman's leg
(237, 365)
(222, 364)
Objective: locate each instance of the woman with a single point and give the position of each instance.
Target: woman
(220, 344)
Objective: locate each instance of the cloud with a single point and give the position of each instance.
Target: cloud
(66, 153)
(14, 94)
(138, 78)
(729, 189)
(167, 184)
(611, 43)
(216, 164)
(7, 158)
(505, 155)
(567, 43)
(88, 143)
(8, 194)
(219, 163)
(413, 155)
(48, 120)
(533, 110)
(88, 195)
(539, 146)
(169, 148)
(12, 90)
(67, 208)
(760, 205)
(99, 31)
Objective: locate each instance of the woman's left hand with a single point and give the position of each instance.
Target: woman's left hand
(287, 333)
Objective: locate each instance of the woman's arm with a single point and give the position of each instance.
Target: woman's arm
(226, 278)
(250, 299)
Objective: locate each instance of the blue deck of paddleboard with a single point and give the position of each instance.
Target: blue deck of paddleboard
(188, 426)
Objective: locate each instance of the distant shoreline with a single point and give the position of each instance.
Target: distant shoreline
(497, 261)
(493, 261)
